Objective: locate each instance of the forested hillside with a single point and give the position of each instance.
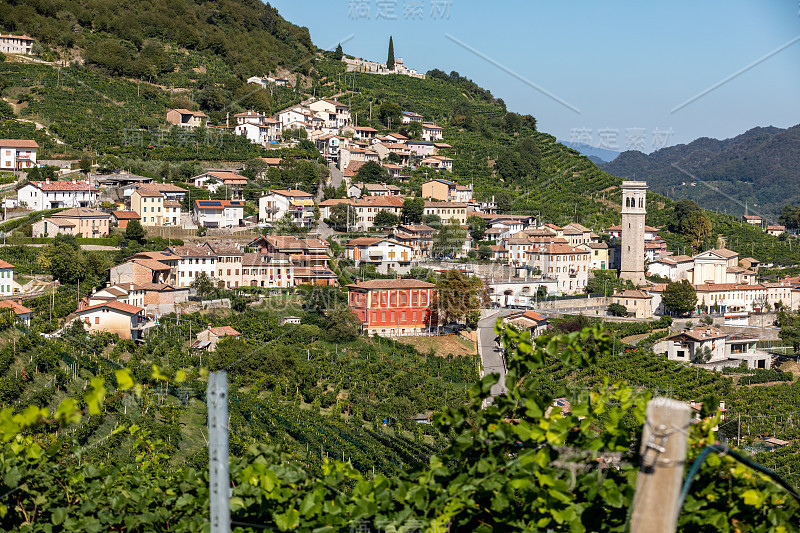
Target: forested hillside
(757, 168)
(133, 38)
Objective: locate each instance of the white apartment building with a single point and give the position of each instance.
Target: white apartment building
(16, 44)
(383, 254)
(568, 265)
(367, 208)
(193, 260)
(41, 195)
(17, 154)
(258, 128)
(275, 204)
(335, 114)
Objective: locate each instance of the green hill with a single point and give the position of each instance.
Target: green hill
(758, 168)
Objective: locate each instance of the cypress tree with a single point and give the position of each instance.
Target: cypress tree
(390, 60)
(337, 55)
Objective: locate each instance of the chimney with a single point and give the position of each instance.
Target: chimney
(722, 404)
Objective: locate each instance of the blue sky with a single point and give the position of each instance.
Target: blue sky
(625, 66)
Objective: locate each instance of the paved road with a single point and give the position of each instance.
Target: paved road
(491, 352)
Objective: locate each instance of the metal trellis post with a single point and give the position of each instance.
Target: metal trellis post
(218, 476)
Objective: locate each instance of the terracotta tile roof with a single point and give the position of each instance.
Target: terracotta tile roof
(292, 193)
(223, 331)
(119, 306)
(78, 212)
(724, 252)
(60, 223)
(161, 187)
(445, 204)
(62, 186)
(191, 251)
(562, 249)
(379, 201)
(272, 161)
(148, 193)
(259, 259)
(19, 309)
(194, 113)
(5, 264)
(630, 293)
(227, 176)
(416, 228)
(152, 264)
(534, 316)
(126, 215)
(363, 241)
(171, 203)
(18, 143)
(392, 284)
(335, 201)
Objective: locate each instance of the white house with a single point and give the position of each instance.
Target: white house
(192, 261)
(16, 44)
(113, 317)
(258, 128)
(409, 116)
(218, 213)
(18, 154)
(275, 204)
(568, 265)
(431, 132)
(338, 113)
(41, 195)
(6, 278)
(213, 180)
(383, 254)
(711, 347)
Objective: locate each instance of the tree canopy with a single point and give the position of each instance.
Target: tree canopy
(680, 297)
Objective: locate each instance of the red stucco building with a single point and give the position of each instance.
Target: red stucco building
(393, 306)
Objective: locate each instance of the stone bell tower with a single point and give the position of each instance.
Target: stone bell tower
(633, 214)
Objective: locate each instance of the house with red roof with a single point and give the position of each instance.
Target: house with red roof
(41, 195)
(113, 317)
(20, 311)
(7, 284)
(18, 154)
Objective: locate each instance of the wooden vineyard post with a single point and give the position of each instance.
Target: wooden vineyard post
(663, 452)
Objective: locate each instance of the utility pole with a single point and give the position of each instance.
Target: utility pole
(663, 452)
(218, 474)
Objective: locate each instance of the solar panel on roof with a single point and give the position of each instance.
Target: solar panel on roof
(207, 203)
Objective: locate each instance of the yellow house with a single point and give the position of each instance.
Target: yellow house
(149, 205)
(599, 254)
(638, 303)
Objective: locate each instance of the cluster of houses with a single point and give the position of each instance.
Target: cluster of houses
(135, 197)
(374, 67)
(776, 230)
(150, 284)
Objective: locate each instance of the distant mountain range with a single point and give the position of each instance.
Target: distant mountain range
(759, 169)
(595, 154)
